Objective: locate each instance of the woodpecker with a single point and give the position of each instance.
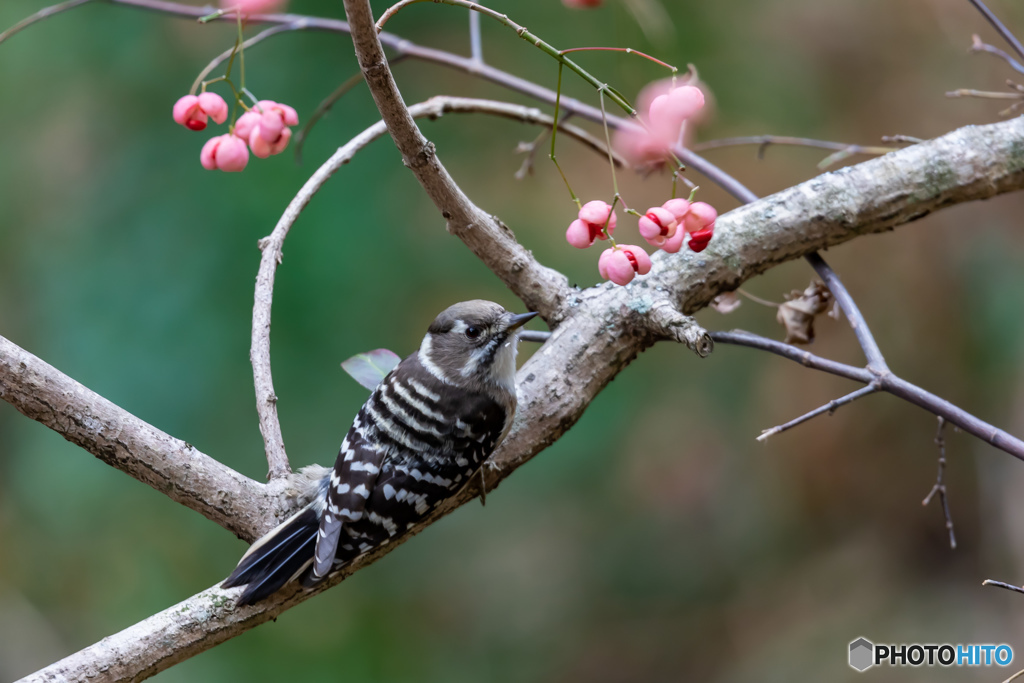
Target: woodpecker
(421, 436)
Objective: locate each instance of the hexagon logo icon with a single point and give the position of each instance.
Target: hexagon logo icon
(862, 653)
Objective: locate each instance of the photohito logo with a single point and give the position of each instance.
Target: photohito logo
(864, 654)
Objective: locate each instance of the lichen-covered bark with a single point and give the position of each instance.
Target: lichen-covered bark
(975, 162)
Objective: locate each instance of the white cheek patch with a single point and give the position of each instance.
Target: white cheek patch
(504, 368)
(427, 361)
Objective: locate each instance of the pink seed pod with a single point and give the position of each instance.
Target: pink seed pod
(701, 215)
(253, 6)
(668, 111)
(225, 152)
(678, 207)
(590, 224)
(214, 106)
(658, 225)
(621, 264)
(263, 149)
(187, 112)
(599, 213)
(579, 234)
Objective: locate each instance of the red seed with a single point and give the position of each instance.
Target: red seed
(195, 124)
(632, 259)
(653, 217)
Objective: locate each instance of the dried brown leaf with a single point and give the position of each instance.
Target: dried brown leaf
(799, 310)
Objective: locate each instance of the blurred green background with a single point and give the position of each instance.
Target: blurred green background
(656, 541)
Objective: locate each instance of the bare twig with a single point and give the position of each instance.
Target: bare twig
(885, 381)
(322, 109)
(541, 289)
(226, 55)
(876, 362)
(999, 27)
(1000, 584)
(829, 408)
(476, 46)
(977, 45)
(939, 486)
(986, 94)
(44, 13)
(763, 142)
(904, 139)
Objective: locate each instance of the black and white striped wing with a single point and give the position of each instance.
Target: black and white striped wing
(349, 487)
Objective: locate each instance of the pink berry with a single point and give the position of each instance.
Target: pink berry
(263, 149)
(188, 113)
(674, 243)
(214, 105)
(599, 213)
(224, 152)
(579, 235)
(246, 123)
(701, 215)
(658, 225)
(678, 207)
(590, 224)
(621, 264)
(253, 6)
(668, 111)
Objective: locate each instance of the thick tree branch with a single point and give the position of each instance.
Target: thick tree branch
(139, 449)
(542, 289)
(975, 162)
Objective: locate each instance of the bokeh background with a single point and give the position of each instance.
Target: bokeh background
(656, 541)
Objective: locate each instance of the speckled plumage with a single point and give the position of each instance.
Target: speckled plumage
(423, 433)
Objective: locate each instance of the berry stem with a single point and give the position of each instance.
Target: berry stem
(523, 33)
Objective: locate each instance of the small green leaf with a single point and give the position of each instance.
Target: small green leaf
(370, 368)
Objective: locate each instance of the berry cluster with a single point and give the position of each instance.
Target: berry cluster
(665, 227)
(264, 129)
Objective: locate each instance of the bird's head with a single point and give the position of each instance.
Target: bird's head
(474, 343)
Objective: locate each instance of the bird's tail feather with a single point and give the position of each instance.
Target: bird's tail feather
(277, 558)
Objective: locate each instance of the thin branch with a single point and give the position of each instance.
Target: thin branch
(115, 436)
(985, 94)
(829, 408)
(999, 27)
(765, 141)
(541, 289)
(886, 381)
(939, 486)
(876, 362)
(905, 139)
(522, 32)
(322, 109)
(977, 45)
(476, 46)
(44, 13)
(1000, 584)
(226, 55)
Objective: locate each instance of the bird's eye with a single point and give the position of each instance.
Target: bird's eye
(474, 331)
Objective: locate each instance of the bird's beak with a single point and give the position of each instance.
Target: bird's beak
(518, 320)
